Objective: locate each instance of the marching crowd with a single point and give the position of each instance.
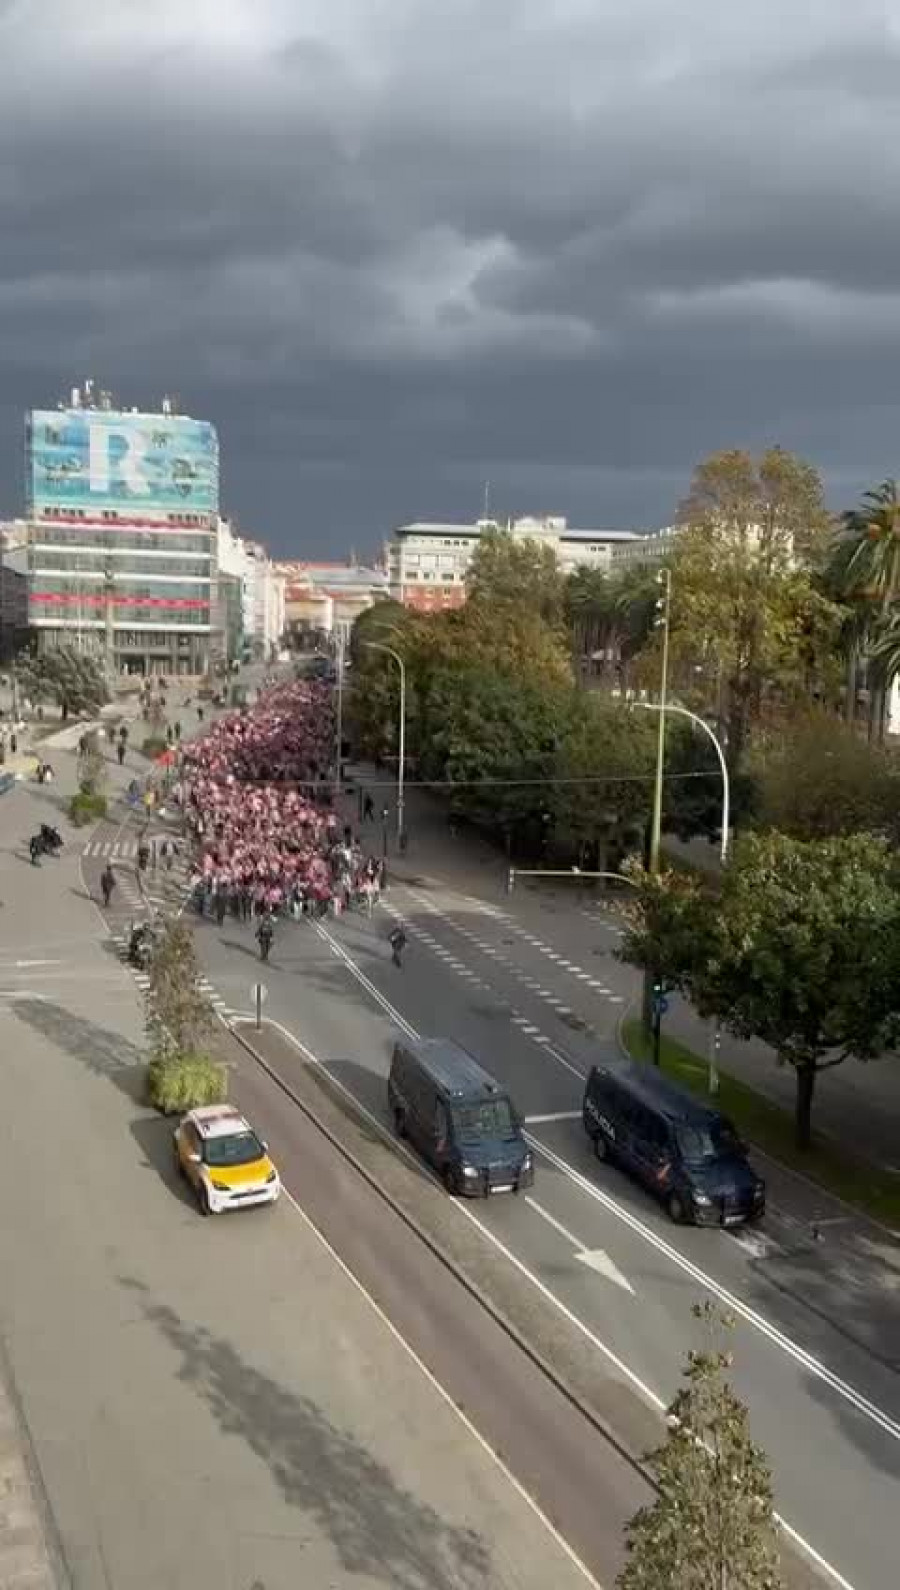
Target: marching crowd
(257, 801)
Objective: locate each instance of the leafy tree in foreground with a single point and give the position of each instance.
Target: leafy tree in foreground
(73, 679)
(822, 780)
(712, 1526)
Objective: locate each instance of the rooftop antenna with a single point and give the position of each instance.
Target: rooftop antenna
(487, 500)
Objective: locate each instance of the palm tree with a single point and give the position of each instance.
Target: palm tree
(866, 566)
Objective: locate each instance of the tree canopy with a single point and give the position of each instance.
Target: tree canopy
(71, 678)
(712, 1526)
(801, 949)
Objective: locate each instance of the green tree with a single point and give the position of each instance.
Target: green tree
(604, 780)
(712, 1526)
(820, 780)
(747, 620)
(514, 576)
(866, 569)
(73, 679)
(495, 739)
(179, 1016)
(803, 952)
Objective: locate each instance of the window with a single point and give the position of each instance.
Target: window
(492, 1118)
(239, 1148)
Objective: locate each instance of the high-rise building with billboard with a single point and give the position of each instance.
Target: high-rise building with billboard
(122, 511)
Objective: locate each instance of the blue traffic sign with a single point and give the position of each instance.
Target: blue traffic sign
(660, 1005)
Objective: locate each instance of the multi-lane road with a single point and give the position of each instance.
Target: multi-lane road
(533, 1004)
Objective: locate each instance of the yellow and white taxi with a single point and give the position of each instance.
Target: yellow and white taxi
(228, 1166)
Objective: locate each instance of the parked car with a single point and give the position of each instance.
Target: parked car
(461, 1120)
(683, 1150)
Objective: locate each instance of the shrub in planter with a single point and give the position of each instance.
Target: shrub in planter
(86, 807)
(180, 1082)
(153, 747)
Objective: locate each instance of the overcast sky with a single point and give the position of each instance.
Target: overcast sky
(396, 248)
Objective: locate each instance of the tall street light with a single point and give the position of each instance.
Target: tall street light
(715, 1036)
(377, 645)
(665, 578)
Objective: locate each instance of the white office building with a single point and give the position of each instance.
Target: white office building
(428, 563)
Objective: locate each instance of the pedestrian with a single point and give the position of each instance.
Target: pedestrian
(265, 933)
(368, 808)
(143, 854)
(398, 945)
(177, 729)
(168, 734)
(120, 752)
(34, 850)
(199, 714)
(221, 905)
(107, 883)
(14, 742)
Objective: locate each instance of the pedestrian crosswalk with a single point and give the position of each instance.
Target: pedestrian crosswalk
(122, 849)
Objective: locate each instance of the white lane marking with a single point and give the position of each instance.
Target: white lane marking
(557, 1115)
(445, 1396)
(629, 1375)
(814, 1365)
(595, 1258)
(771, 1332)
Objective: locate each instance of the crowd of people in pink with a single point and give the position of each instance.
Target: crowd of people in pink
(257, 800)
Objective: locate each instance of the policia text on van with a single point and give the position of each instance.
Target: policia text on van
(684, 1151)
(459, 1118)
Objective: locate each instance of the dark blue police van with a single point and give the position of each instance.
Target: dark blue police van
(683, 1150)
(462, 1121)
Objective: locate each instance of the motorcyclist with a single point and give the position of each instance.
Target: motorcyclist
(35, 846)
(398, 945)
(265, 934)
(51, 838)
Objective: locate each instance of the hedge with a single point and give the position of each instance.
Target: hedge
(86, 808)
(176, 1083)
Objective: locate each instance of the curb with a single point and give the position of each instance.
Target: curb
(560, 1384)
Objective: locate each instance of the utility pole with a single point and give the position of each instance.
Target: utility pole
(652, 1007)
(340, 713)
(109, 593)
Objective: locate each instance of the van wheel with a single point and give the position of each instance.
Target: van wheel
(448, 1176)
(400, 1123)
(601, 1147)
(675, 1209)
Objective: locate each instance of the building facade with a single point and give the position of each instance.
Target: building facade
(428, 563)
(13, 594)
(325, 599)
(261, 587)
(122, 510)
(645, 551)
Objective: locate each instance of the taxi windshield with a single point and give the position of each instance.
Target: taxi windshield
(239, 1148)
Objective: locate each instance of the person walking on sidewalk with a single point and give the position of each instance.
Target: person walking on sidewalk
(107, 884)
(368, 808)
(398, 945)
(120, 752)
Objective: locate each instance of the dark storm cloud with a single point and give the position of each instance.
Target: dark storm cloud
(395, 247)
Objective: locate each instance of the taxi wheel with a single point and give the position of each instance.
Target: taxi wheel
(203, 1200)
(179, 1166)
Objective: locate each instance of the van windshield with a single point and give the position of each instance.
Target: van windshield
(474, 1122)
(701, 1144)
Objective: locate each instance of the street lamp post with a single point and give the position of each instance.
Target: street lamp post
(656, 820)
(339, 726)
(377, 645)
(715, 1036)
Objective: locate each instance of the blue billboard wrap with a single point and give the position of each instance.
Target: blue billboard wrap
(95, 460)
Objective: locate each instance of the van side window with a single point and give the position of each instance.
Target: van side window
(441, 1122)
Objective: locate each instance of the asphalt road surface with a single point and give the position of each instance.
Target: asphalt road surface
(534, 1008)
(216, 1403)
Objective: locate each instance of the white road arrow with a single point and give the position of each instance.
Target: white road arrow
(595, 1258)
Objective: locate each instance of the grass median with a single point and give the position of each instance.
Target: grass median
(867, 1188)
